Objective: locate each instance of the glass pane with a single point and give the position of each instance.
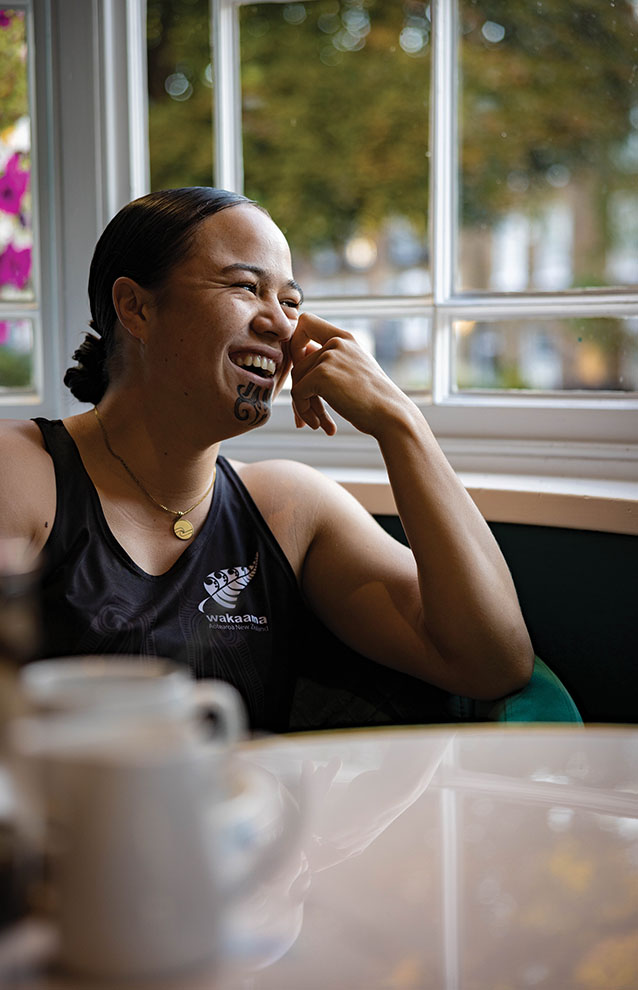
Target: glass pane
(16, 350)
(335, 126)
(531, 353)
(16, 230)
(180, 102)
(401, 346)
(549, 144)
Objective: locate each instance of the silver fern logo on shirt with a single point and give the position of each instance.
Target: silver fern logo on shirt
(224, 588)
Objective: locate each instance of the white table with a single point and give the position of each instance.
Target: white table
(478, 858)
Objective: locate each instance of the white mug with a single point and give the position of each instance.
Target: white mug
(153, 840)
(132, 687)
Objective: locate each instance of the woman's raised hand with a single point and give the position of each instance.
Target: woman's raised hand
(328, 364)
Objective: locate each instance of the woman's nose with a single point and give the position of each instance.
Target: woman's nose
(273, 319)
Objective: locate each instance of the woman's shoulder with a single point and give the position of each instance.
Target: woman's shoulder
(279, 482)
(279, 473)
(27, 479)
(22, 436)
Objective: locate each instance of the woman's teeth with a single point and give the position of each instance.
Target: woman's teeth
(256, 361)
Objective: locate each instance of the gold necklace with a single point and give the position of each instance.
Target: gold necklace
(183, 528)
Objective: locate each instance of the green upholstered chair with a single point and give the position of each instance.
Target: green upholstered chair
(544, 699)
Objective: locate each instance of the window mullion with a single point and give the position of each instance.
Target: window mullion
(494, 306)
(389, 306)
(140, 172)
(443, 186)
(122, 87)
(443, 159)
(229, 171)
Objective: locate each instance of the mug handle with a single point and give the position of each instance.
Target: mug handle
(225, 703)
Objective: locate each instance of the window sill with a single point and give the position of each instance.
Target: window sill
(576, 484)
(573, 503)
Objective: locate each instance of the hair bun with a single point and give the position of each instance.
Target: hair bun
(88, 380)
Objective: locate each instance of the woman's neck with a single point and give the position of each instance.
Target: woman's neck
(141, 449)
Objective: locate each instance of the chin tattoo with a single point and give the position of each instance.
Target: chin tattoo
(252, 405)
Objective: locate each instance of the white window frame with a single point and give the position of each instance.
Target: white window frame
(87, 63)
(552, 434)
(90, 137)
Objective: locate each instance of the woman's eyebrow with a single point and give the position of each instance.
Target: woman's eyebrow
(260, 273)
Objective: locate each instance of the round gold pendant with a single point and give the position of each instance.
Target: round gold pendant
(183, 529)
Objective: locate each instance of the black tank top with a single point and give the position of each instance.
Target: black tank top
(229, 607)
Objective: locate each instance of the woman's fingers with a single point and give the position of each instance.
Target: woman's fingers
(311, 328)
(309, 345)
(326, 422)
(311, 411)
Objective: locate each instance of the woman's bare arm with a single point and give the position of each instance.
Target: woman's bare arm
(445, 609)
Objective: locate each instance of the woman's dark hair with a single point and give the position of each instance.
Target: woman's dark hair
(144, 241)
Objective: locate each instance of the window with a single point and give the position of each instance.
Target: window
(73, 150)
(458, 184)
(495, 278)
(548, 139)
(548, 153)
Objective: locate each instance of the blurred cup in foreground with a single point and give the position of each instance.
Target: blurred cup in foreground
(151, 841)
(143, 689)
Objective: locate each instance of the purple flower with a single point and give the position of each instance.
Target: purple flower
(5, 19)
(13, 185)
(4, 332)
(15, 266)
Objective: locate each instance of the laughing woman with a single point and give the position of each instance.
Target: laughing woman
(153, 543)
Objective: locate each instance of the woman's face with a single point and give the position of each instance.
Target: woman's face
(219, 327)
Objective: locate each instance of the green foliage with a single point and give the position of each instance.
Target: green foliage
(180, 130)
(334, 141)
(14, 98)
(15, 369)
(321, 174)
(557, 90)
(337, 140)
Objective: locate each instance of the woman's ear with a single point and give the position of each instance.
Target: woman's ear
(131, 303)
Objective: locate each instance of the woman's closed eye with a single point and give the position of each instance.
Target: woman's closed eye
(253, 287)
